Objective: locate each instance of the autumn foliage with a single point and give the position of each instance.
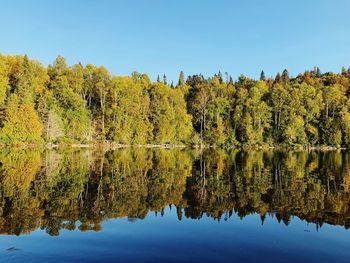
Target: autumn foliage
(86, 104)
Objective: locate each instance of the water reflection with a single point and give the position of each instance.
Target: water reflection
(55, 190)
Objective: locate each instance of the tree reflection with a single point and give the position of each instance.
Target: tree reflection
(78, 189)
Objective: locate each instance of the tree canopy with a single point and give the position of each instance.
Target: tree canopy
(84, 104)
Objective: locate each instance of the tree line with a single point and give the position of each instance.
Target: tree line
(87, 104)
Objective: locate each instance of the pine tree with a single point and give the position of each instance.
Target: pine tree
(285, 76)
(318, 72)
(220, 77)
(24, 88)
(227, 76)
(181, 79)
(278, 78)
(262, 76)
(230, 81)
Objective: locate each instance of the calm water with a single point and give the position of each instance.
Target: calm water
(146, 205)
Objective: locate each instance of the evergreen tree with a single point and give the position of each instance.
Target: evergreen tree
(262, 76)
(285, 76)
(278, 78)
(220, 77)
(181, 79)
(230, 81)
(318, 72)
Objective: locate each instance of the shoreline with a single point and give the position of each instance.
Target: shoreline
(114, 146)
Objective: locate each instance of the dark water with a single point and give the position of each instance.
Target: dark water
(146, 205)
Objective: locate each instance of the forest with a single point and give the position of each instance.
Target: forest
(62, 104)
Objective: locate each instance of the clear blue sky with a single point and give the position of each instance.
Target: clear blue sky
(197, 36)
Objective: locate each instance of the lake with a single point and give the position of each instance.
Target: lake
(174, 205)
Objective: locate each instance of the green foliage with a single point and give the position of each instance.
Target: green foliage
(128, 111)
(81, 104)
(209, 102)
(254, 112)
(171, 123)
